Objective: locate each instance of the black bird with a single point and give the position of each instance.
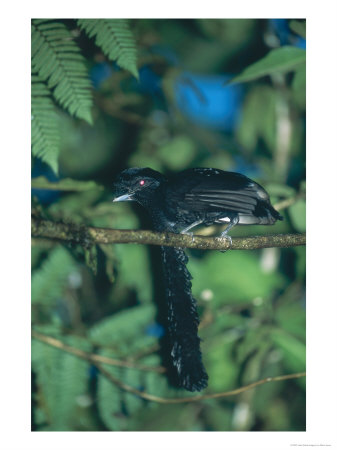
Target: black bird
(178, 204)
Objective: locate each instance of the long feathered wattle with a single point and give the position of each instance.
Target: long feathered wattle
(183, 321)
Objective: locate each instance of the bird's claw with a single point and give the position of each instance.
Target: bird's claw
(228, 238)
(188, 233)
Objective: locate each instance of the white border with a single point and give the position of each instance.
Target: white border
(322, 220)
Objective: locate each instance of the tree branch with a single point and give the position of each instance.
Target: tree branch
(90, 235)
(96, 359)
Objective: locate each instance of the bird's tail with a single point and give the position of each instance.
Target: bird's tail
(183, 321)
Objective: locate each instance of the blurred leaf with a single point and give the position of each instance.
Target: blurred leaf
(258, 118)
(291, 317)
(233, 277)
(178, 153)
(222, 369)
(66, 184)
(218, 416)
(134, 270)
(110, 397)
(122, 328)
(279, 190)
(85, 150)
(73, 206)
(298, 27)
(293, 350)
(50, 281)
(277, 415)
(90, 256)
(297, 213)
(283, 59)
(254, 338)
(61, 378)
(109, 264)
(300, 262)
(224, 39)
(299, 86)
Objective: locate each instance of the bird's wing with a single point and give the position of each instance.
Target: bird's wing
(221, 199)
(209, 190)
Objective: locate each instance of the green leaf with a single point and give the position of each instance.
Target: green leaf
(280, 190)
(61, 378)
(284, 59)
(291, 316)
(90, 256)
(298, 86)
(123, 328)
(45, 130)
(293, 350)
(232, 277)
(57, 60)
(115, 39)
(297, 213)
(110, 398)
(50, 281)
(298, 27)
(219, 359)
(177, 153)
(134, 270)
(258, 118)
(66, 184)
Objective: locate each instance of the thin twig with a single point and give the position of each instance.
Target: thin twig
(92, 357)
(96, 360)
(90, 235)
(196, 398)
(283, 204)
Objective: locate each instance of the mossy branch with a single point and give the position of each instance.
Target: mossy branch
(90, 235)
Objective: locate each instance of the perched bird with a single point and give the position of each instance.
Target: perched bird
(178, 204)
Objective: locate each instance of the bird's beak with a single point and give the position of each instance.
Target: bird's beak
(123, 198)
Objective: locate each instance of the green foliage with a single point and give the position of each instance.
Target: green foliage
(50, 281)
(45, 134)
(298, 27)
(122, 329)
(134, 270)
(299, 86)
(58, 61)
(297, 213)
(115, 39)
(66, 184)
(233, 278)
(259, 118)
(61, 379)
(62, 74)
(280, 60)
(293, 350)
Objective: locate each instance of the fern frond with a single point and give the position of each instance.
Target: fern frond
(61, 378)
(124, 329)
(45, 132)
(115, 39)
(57, 59)
(50, 281)
(110, 398)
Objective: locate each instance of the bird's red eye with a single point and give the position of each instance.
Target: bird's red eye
(142, 182)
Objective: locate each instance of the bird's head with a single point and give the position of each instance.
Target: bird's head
(137, 185)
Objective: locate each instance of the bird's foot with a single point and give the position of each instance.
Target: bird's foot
(228, 238)
(188, 233)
